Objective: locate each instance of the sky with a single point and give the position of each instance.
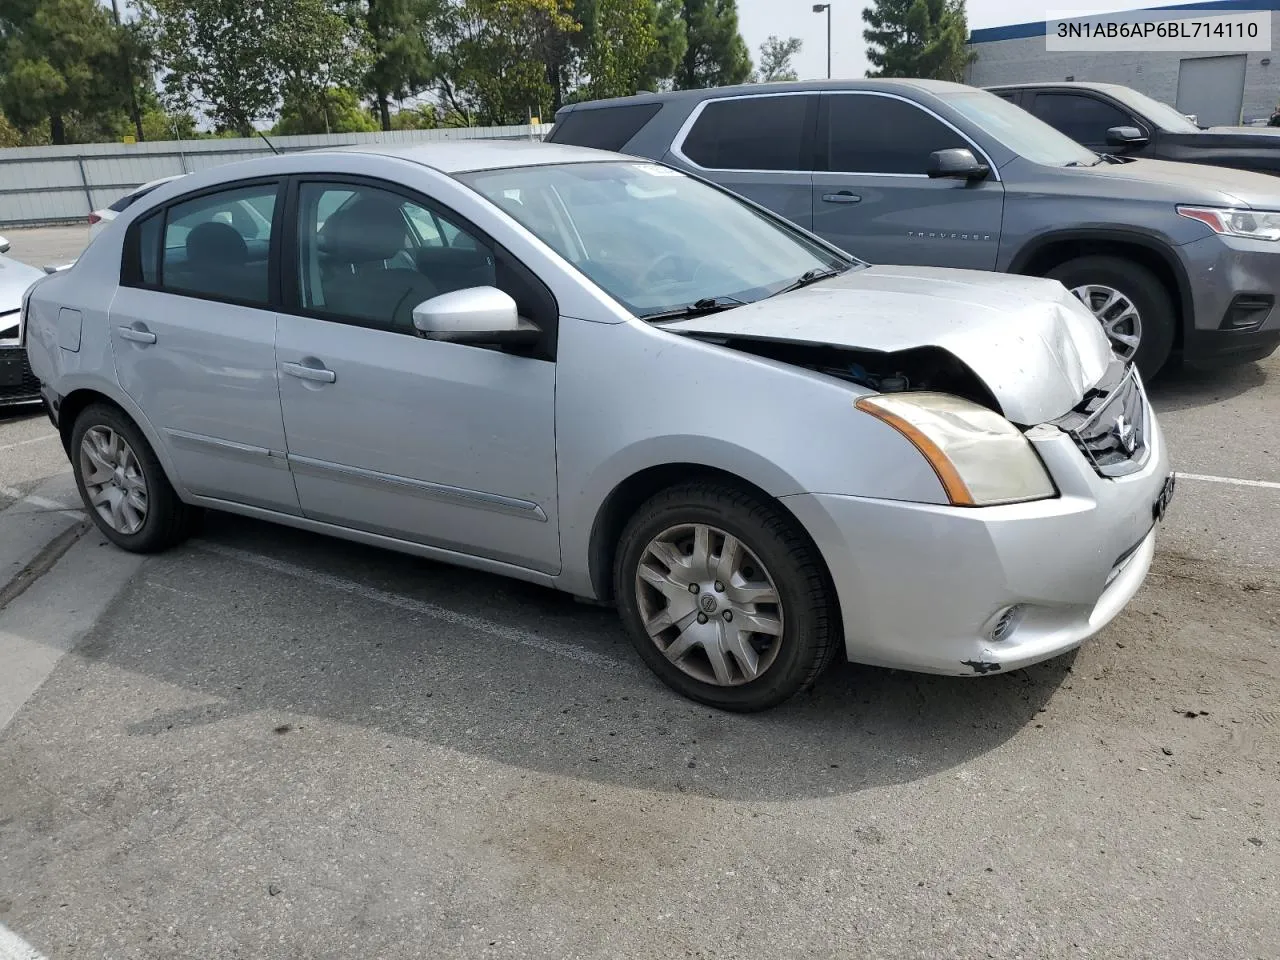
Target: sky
(795, 18)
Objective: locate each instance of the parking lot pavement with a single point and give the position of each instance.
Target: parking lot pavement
(274, 744)
(41, 246)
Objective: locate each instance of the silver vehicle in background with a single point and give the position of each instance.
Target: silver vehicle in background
(605, 376)
(17, 383)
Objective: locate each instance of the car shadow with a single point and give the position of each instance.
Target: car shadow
(250, 640)
(18, 412)
(1187, 388)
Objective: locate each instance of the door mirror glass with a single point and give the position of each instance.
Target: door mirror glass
(473, 315)
(957, 163)
(1126, 137)
(4, 245)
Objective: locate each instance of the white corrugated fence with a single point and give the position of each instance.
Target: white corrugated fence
(40, 185)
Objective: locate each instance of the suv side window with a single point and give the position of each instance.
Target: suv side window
(368, 256)
(217, 245)
(873, 134)
(605, 128)
(751, 133)
(1084, 119)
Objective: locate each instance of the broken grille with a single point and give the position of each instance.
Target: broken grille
(1110, 425)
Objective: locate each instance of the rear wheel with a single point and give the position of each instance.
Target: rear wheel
(724, 598)
(122, 484)
(1133, 306)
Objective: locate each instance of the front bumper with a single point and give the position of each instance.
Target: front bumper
(1221, 271)
(922, 586)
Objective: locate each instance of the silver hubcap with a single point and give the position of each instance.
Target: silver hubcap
(709, 604)
(113, 479)
(1117, 314)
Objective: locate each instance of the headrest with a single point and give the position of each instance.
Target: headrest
(369, 230)
(215, 242)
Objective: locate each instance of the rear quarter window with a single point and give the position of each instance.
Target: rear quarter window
(603, 128)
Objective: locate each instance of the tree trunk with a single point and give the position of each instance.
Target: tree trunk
(384, 111)
(57, 130)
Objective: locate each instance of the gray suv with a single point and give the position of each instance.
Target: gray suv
(1170, 257)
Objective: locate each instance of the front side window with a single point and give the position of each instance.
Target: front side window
(218, 245)
(1083, 119)
(369, 256)
(750, 133)
(872, 134)
(1161, 114)
(652, 238)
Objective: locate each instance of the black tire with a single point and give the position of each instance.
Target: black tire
(1144, 290)
(811, 632)
(168, 521)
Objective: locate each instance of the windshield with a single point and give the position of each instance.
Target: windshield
(652, 238)
(1018, 130)
(1161, 114)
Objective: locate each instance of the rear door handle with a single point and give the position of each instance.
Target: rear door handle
(844, 196)
(138, 333)
(315, 370)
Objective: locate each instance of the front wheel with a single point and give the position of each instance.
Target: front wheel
(1133, 306)
(122, 484)
(724, 598)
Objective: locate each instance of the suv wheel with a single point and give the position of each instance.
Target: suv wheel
(1132, 305)
(723, 597)
(122, 484)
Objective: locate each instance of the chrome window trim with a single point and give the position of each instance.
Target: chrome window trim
(677, 144)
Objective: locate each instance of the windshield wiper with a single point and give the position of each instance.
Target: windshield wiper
(699, 308)
(806, 278)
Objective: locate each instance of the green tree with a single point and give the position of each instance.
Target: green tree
(401, 63)
(918, 38)
(492, 62)
(775, 59)
(60, 64)
(716, 55)
(673, 41)
(338, 111)
(234, 60)
(618, 43)
(424, 116)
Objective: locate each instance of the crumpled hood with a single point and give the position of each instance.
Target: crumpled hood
(1029, 340)
(15, 277)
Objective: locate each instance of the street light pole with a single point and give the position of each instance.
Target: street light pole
(826, 8)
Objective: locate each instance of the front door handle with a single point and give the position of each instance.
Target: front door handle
(315, 370)
(137, 332)
(844, 196)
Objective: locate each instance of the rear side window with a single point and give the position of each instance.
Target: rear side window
(1083, 119)
(871, 134)
(751, 133)
(605, 128)
(218, 245)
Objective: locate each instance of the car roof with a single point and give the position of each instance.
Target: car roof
(894, 85)
(1077, 84)
(462, 156)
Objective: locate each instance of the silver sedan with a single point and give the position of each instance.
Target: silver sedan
(605, 376)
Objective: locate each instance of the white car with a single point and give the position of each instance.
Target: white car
(99, 219)
(17, 383)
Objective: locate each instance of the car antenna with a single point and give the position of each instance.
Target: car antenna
(268, 143)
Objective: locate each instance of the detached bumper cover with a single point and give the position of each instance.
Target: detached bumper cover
(922, 586)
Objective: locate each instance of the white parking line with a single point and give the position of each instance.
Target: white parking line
(471, 622)
(22, 443)
(1234, 481)
(13, 947)
(43, 503)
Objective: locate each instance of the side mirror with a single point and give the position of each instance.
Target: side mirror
(956, 164)
(1126, 137)
(4, 245)
(474, 315)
